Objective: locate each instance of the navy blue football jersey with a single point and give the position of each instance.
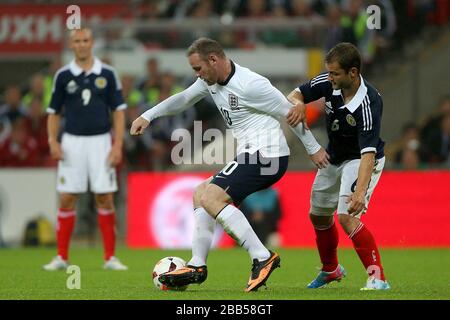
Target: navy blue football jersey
(353, 128)
(86, 98)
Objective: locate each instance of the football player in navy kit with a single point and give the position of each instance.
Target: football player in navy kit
(253, 109)
(353, 118)
(87, 93)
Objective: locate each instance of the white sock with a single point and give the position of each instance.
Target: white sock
(236, 225)
(203, 236)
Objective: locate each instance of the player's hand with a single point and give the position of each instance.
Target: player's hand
(321, 158)
(296, 115)
(138, 126)
(56, 151)
(357, 202)
(115, 156)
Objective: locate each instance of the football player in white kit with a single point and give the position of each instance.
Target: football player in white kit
(252, 108)
(353, 113)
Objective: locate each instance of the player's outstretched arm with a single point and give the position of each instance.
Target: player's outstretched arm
(178, 102)
(273, 102)
(297, 113)
(138, 126)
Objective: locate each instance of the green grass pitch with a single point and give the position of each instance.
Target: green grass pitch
(412, 273)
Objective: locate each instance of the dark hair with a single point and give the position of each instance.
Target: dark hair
(346, 54)
(204, 47)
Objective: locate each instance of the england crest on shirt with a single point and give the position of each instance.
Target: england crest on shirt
(233, 101)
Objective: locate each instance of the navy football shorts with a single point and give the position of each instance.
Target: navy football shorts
(249, 173)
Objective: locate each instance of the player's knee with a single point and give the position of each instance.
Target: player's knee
(212, 197)
(206, 201)
(104, 201)
(67, 201)
(321, 221)
(198, 192)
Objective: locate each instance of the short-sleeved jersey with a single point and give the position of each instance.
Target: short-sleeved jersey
(353, 128)
(86, 98)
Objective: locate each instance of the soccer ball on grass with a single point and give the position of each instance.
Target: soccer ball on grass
(164, 265)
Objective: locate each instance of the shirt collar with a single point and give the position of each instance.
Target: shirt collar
(357, 98)
(233, 70)
(76, 69)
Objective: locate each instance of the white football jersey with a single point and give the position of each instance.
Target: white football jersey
(245, 101)
(250, 106)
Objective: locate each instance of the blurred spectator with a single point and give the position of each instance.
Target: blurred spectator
(334, 33)
(435, 134)
(48, 75)
(36, 125)
(253, 9)
(13, 107)
(136, 152)
(354, 26)
(132, 96)
(434, 119)
(279, 36)
(201, 10)
(5, 129)
(404, 151)
(409, 141)
(162, 128)
(151, 78)
(409, 160)
(20, 149)
(262, 210)
(436, 143)
(37, 91)
(303, 9)
(388, 25)
(150, 11)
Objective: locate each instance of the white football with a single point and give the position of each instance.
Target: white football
(165, 265)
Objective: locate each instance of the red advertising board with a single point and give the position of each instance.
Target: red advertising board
(32, 28)
(408, 209)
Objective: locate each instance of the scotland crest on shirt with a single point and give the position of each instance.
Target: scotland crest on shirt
(233, 101)
(350, 120)
(100, 82)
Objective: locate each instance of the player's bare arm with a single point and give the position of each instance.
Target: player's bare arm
(138, 126)
(357, 199)
(297, 113)
(115, 155)
(53, 121)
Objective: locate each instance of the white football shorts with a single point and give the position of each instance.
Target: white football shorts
(334, 184)
(86, 159)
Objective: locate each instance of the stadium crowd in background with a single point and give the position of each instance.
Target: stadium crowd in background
(23, 132)
(23, 140)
